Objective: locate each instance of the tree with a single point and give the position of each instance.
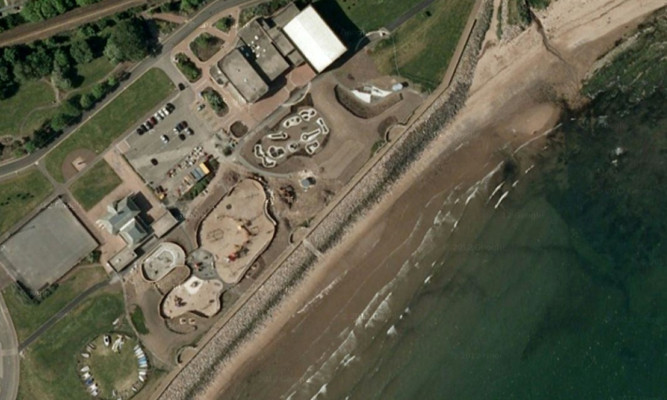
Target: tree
(99, 90)
(62, 78)
(7, 83)
(80, 51)
(37, 64)
(129, 41)
(87, 101)
(61, 59)
(11, 55)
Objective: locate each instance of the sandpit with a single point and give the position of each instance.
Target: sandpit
(238, 230)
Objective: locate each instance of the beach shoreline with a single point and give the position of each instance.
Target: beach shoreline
(500, 108)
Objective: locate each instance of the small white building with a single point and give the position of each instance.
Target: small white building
(314, 39)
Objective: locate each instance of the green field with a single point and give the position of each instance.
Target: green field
(94, 184)
(370, 15)
(93, 72)
(422, 48)
(20, 195)
(48, 366)
(114, 119)
(28, 316)
(31, 95)
(113, 370)
(139, 321)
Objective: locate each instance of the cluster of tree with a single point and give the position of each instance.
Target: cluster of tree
(215, 101)
(225, 23)
(187, 67)
(39, 10)
(181, 6)
(265, 9)
(120, 39)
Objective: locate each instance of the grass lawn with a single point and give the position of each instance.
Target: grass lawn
(28, 316)
(424, 45)
(31, 94)
(370, 15)
(94, 184)
(93, 72)
(20, 195)
(113, 370)
(48, 368)
(114, 119)
(138, 320)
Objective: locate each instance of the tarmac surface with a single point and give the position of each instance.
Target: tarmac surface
(9, 365)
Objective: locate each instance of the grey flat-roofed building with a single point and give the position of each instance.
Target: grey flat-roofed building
(282, 17)
(47, 247)
(281, 41)
(262, 51)
(122, 219)
(243, 76)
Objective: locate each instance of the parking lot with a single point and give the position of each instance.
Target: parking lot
(164, 164)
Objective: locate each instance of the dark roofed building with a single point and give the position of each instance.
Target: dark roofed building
(262, 51)
(243, 76)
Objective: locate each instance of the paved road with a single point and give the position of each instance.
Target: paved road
(60, 314)
(207, 12)
(9, 365)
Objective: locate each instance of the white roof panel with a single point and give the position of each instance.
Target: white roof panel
(316, 41)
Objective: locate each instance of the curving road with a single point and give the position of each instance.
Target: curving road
(9, 363)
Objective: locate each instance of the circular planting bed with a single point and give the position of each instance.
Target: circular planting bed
(112, 366)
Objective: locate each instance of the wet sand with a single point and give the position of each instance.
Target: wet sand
(511, 102)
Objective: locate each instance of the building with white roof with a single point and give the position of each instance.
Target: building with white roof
(313, 37)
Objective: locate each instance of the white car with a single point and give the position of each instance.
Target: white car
(107, 340)
(165, 139)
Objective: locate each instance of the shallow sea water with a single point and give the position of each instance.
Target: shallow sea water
(557, 293)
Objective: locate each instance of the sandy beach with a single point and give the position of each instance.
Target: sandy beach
(515, 96)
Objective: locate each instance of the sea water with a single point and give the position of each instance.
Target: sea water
(551, 286)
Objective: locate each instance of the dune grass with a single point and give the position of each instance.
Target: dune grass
(422, 48)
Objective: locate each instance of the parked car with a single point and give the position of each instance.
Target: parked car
(181, 86)
(153, 120)
(158, 116)
(182, 137)
(150, 124)
(189, 131)
(201, 107)
(170, 107)
(140, 131)
(165, 139)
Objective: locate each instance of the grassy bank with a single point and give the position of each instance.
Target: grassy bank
(20, 195)
(422, 48)
(28, 316)
(48, 368)
(114, 119)
(94, 185)
(36, 96)
(31, 95)
(370, 15)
